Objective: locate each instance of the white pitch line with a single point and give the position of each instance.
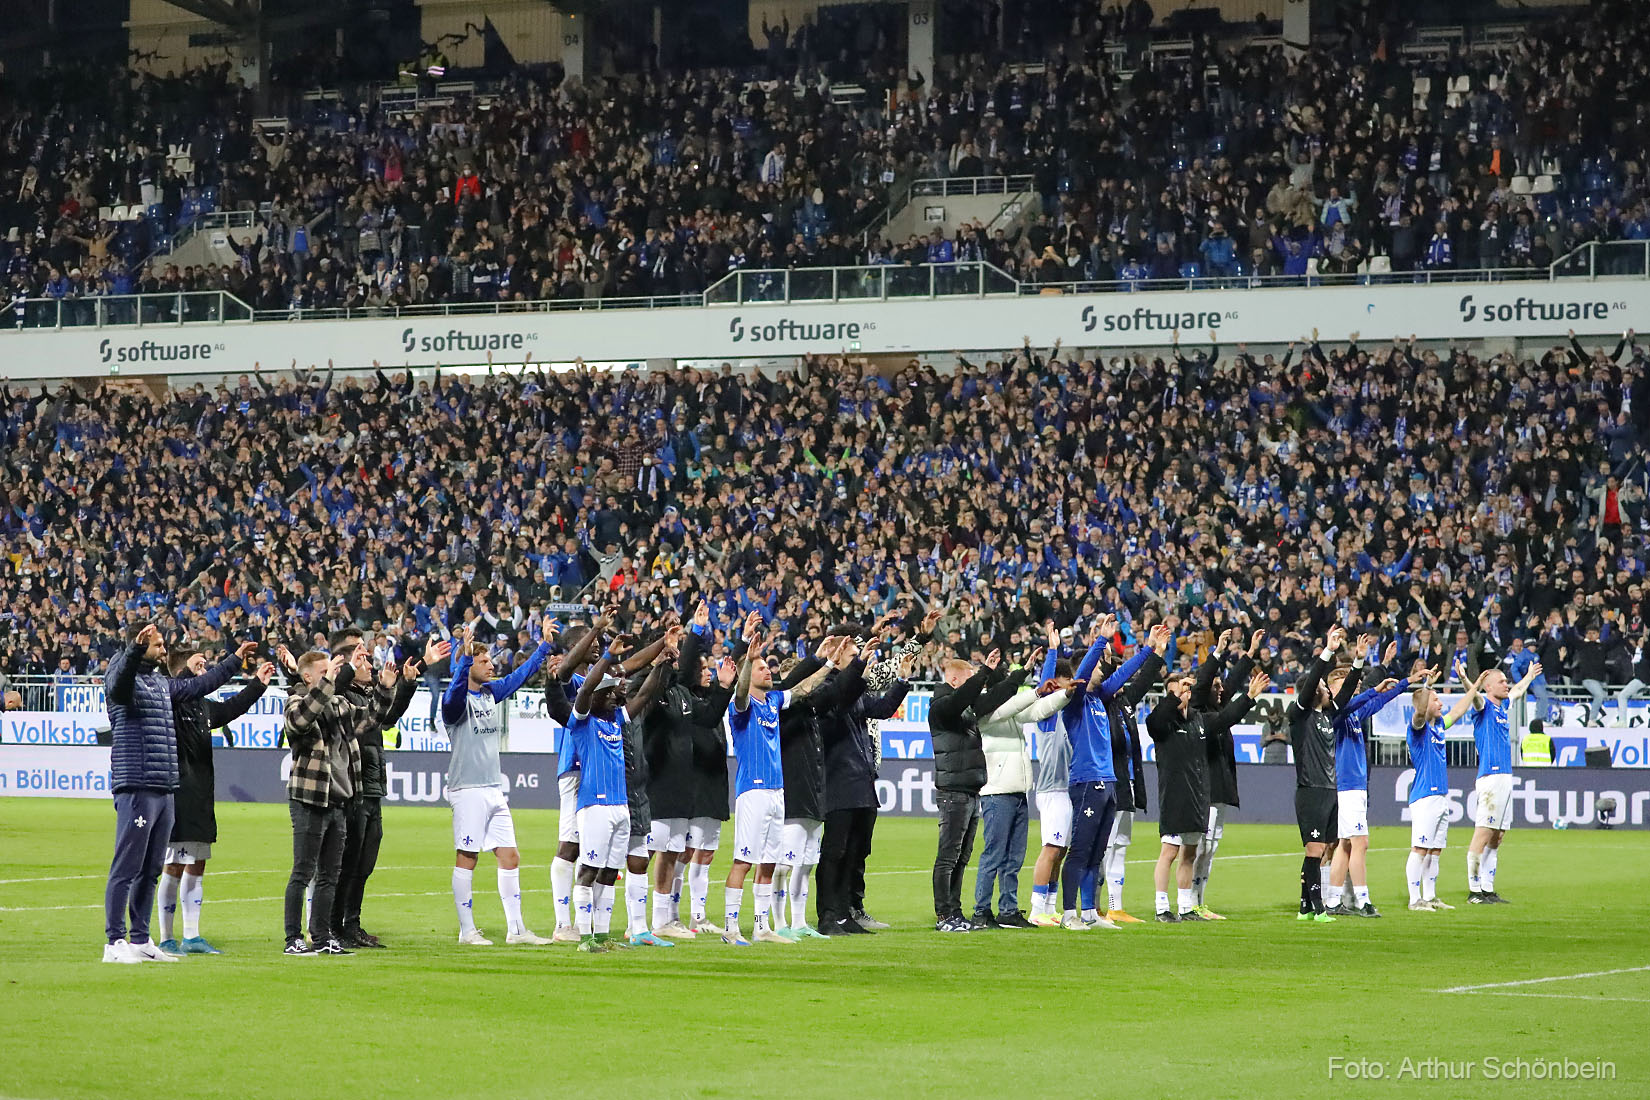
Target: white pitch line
(1543, 981)
(245, 901)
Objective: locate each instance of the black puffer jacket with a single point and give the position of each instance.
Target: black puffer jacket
(195, 814)
(850, 763)
(372, 740)
(959, 759)
(668, 735)
(801, 743)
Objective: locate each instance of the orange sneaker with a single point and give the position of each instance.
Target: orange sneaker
(1044, 920)
(1117, 916)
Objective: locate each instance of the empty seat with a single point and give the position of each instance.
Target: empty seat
(1423, 87)
(1380, 265)
(1542, 185)
(1521, 185)
(1461, 84)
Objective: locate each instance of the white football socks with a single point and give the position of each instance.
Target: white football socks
(561, 885)
(1413, 873)
(1187, 899)
(799, 894)
(604, 909)
(462, 878)
(1474, 861)
(167, 900)
(1486, 869)
(1162, 901)
(193, 896)
(698, 876)
(635, 903)
(509, 892)
(676, 891)
(776, 898)
(734, 898)
(1429, 878)
(584, 909)
(764, 903)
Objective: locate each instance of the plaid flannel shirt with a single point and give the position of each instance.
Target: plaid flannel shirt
(313, 720)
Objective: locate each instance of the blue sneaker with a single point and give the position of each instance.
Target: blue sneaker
(171, 947)
(648, 939)
(194, 945)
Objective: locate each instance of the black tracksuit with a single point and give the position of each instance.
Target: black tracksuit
(850, 798)
(1223, 784)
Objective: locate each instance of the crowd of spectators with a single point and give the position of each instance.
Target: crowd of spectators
(1239, 159)
(1454, 504)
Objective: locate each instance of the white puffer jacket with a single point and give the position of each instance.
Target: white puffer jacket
(1002, 736)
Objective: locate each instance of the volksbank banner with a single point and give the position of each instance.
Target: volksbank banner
(746, 330)
(1541, 798)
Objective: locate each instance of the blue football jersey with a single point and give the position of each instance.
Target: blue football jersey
(1426, 756)
(754, 734)
(599, 744)
(1491, 731)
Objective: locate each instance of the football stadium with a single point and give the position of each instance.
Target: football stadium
(824, 528)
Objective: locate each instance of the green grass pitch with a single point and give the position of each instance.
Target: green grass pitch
(1259, 1006)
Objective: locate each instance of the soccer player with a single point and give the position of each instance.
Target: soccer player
(1223, 791)
(667, 739)
(1131, 786)
(195, 820)
(1493, 793)
(1352, 794)
(1320, 695)
(710, 783)
(476, 786)
(1093, 774)
(560, 687)
(661, 655)
(1429, 791)
(1052, 789)
(597, 737)
(144, 770)
(759, 783)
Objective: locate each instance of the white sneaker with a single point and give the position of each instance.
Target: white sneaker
(120, 952)
(1102, 922)
(474, 938)
(1439, 903)
(148, 952)
(565, 933)
(526, 935)
(1071, 922)
(676, 930)
(703, 924)
(768, 935)
(1420, 907)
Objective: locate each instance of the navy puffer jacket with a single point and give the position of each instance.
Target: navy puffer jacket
(139, 697)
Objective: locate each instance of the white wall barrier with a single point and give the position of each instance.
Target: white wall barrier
(750, 331)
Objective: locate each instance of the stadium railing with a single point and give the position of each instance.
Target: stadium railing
(875, 282)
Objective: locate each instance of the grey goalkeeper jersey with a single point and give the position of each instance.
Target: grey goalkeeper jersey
(1054, 757)
(475, 739)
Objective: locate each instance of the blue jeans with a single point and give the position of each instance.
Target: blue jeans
(1007, 816)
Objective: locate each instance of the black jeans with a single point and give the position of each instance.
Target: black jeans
(847, 835)
(959, 818)
(857, 863)
(317, 853)
(364, 835)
